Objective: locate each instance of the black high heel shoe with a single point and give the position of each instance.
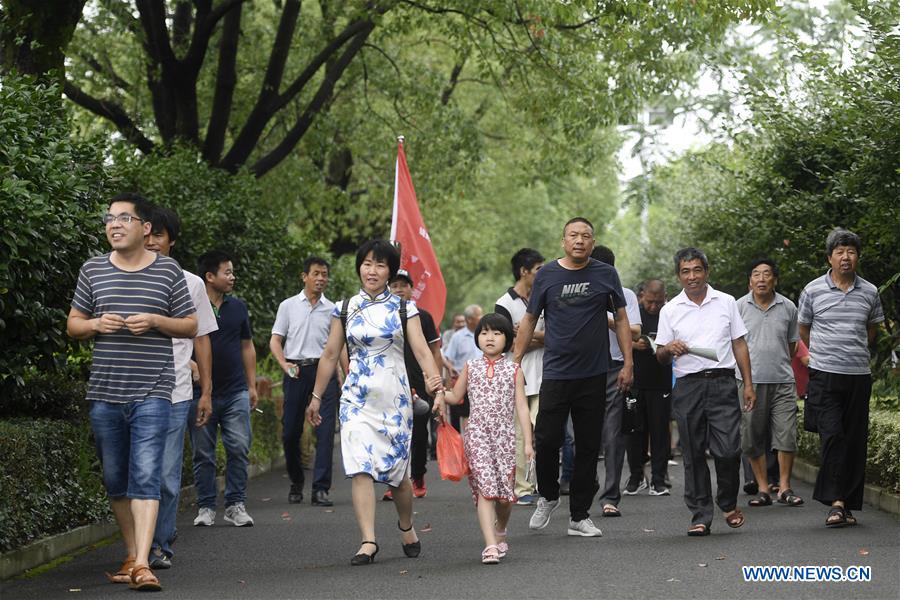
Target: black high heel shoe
(364, 559)
(410, 550)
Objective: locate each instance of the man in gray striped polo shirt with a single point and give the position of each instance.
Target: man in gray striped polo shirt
(839, 315)
(131, 302)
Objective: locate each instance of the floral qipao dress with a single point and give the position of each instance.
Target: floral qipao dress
(376, 408)
(490, 438)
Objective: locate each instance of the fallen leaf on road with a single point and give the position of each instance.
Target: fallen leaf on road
(330, 510)
(74, 589)
(426, 528)
(648, 530)
(266, 499)
(285, 514)
(404, 572)
(863, 552)
(702, 564)
(720, 558)
(241, 581)
(673, 580)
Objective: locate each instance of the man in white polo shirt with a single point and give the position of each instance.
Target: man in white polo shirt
(525, 265)
(705, 401)
(298, 338)
(164, 233)
(613, 439)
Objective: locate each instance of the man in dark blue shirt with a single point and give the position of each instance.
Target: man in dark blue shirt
(233, 397)
(574, 294)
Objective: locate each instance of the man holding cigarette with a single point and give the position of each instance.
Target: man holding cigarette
(298, 338)
(702, 330)
(233, 397)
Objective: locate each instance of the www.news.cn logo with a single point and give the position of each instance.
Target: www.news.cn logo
(806, 573)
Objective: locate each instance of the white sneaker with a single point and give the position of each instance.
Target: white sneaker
(236, 514)
(584, 528)
(659, 491)
(542, 513)
(205, 517)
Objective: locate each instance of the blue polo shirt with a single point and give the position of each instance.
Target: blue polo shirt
(228, 375)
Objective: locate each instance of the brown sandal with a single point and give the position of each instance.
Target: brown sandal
(735, 519)
(143, 579)
(123, 575)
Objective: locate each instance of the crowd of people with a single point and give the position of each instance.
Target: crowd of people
(568, 365)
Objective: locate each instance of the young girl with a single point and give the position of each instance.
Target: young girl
(496, 389)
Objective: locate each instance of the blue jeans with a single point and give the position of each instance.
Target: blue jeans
(171, 478)
(568, 453)
(232, 414)
(129, 440)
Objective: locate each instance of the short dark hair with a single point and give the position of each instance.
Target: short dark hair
(842, 237)
(143, 208)
(315, 260)
(381, 250)
(604, 255)
(525, 258)
(210, 262)
(578, 220)
(165, 218)
(496, 322)
(762, 261)
(688, 254)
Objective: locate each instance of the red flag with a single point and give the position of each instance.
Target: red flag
(417, 254)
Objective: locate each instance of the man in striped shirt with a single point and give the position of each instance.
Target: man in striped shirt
(131, 302)
(839, 314)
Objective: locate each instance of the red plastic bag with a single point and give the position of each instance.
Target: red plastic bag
(451, 456)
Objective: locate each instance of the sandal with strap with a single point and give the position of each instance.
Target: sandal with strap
(490, 555)
(790, 498)
(698, 530)
(143, 580)
(123, 575)
(851, 520)
(502, 546)
(362, 558)
(410, 550)
(735, 519)
(837, 517)
(611, 510)
(761, 499)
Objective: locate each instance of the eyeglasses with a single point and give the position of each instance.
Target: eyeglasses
(124, 218)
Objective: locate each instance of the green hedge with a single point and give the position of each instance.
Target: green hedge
(50, 478)
(883, 458)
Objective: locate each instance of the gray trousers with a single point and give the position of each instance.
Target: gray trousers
(708, 414)
(613, 440)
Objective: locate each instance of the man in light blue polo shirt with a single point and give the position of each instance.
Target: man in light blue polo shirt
(298, 338)
(839, 317)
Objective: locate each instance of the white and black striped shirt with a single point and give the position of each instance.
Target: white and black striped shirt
(128, 367)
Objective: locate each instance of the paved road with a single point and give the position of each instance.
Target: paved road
(300, 551)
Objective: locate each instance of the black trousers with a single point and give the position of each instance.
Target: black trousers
(585, 400)
(296, 398)
(419, 450)
(708, 413)
(654, 407)
(842, 413)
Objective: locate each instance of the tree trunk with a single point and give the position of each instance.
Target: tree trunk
(34, 36)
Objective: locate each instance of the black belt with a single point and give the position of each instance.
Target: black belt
(710, 374)
(305, 362)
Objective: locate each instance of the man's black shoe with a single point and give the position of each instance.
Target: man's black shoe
(320, 498)
(751, 487)
(296, 495)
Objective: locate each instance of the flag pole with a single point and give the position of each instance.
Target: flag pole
(400, 140)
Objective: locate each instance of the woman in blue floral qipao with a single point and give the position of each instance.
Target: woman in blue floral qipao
(376, 404)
